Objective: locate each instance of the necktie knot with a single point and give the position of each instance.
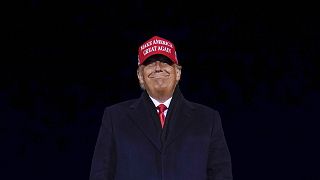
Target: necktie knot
(161, 108)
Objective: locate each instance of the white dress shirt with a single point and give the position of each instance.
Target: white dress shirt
(166, 103)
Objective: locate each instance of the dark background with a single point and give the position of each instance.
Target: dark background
(69, 60)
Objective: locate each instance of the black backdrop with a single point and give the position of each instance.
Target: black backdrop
(256, 66)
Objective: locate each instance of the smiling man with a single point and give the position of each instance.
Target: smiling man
(161, 135)
(159, 76)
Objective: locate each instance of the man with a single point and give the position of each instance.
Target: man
(161, 135)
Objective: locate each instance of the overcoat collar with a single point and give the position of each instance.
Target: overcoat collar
(144, 114)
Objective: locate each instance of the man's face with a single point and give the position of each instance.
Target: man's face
(159, 78)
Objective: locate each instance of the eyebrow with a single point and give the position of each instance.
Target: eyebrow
(161, 59)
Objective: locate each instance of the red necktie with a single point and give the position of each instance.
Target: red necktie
(161, 108)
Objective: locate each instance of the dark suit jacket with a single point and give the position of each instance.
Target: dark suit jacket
(131, 145)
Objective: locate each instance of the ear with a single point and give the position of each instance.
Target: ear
(139, 74)
(178, 72)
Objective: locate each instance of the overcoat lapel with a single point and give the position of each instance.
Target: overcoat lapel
(143, 113)
(180, 116)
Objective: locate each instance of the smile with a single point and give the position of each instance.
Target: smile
(159, 75)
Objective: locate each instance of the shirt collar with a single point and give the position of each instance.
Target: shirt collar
(156, 103)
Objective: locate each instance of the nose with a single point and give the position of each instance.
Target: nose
(158, 66)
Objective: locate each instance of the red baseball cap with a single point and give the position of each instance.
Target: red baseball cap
(157, 45)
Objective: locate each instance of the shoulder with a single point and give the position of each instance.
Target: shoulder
(205, 114)
(204, 111)
(121, 105)
(202, 107)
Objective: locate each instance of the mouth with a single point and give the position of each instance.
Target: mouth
(159, 75)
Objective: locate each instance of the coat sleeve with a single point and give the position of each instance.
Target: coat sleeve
(219, 159)
(103, 161)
